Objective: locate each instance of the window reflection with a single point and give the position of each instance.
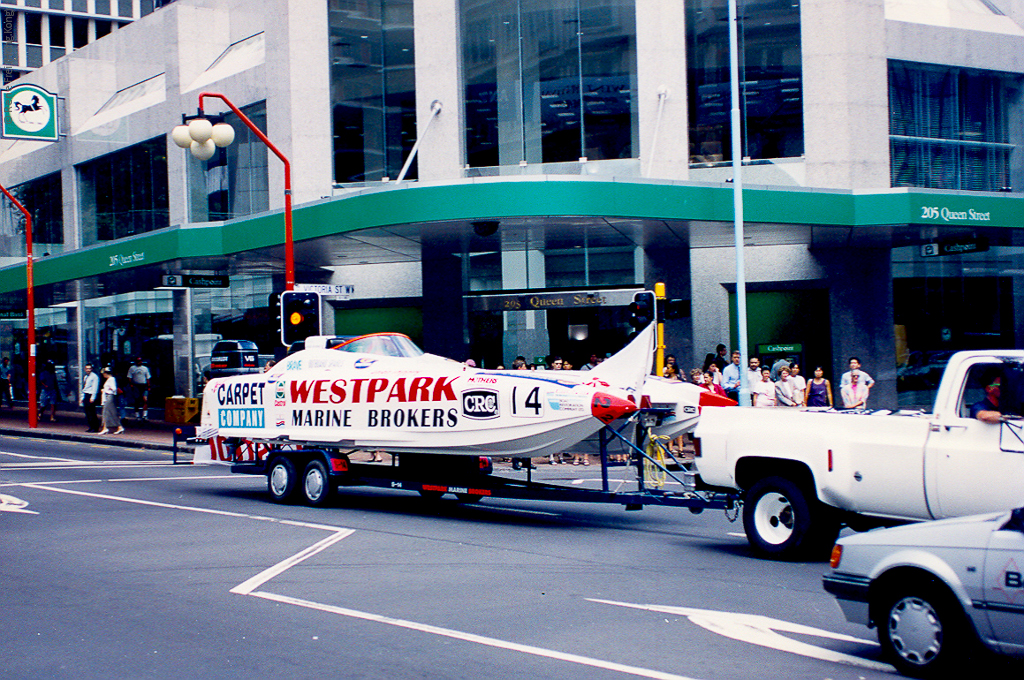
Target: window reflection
(548, 80)
(125, 192)
(770, 79)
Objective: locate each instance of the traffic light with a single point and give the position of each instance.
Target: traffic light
(300, 316)
(641, 309)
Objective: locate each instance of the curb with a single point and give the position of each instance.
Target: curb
(111, 440)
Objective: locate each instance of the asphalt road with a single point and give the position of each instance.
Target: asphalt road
(114, 563)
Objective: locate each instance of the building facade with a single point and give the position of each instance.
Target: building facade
(568, 154)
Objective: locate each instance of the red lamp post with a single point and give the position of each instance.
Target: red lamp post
(202, 137)
(33, 413)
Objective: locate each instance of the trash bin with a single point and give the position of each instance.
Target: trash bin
(181, 409)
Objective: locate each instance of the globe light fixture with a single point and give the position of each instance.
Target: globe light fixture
(202, 137)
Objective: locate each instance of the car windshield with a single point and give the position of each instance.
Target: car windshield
(391, 345)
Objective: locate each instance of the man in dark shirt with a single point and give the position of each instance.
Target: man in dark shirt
(987, 410)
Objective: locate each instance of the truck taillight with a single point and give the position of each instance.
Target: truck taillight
(696, 447)
(339, 465)
(837, 556)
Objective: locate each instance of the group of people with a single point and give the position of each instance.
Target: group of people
(780, 384)
(108, 395)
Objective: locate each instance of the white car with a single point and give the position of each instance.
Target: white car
(936, 591)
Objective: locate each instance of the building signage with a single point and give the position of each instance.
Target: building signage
(329, 290)
(947, 214)
(196, 280)
(30, 112)
(562, 300)
(954, 247)
(779, 349)
(127, 259)
(9, 314)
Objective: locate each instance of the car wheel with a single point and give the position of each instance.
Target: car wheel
(281, 480)
(782, 523)
(317, 488)
(923, 631)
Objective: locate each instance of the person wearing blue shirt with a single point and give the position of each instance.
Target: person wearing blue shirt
(731, 377)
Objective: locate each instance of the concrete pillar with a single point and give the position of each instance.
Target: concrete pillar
(846, 93)
(442, 152)
(661, 66)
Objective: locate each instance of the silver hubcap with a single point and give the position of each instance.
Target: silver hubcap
(279, 480)
(773, 518)
(915, 630)
(314, 484)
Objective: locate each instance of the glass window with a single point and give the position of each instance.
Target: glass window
(103, 7)
(145, 7)
(56, 24)
(770, 80)
(34, 29)
(10, 36)
(56, 4)
(79, 5)
(548, 81)
(950, 128)
(79, 32)
(235, 181)
(124, 193)
(102, 28)
(373, 97)
(124, 8)
(42, 198)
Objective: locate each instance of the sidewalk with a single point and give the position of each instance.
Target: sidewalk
(71, 426)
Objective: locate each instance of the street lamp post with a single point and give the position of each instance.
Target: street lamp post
(202, 137)
(33, 413)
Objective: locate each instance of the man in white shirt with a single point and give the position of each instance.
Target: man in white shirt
(138, 380)
(753, 372)
(865, 379)
(90, 398)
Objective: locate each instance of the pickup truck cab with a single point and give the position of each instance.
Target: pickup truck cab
(804, 474)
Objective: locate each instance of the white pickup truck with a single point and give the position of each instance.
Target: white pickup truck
(804, 474)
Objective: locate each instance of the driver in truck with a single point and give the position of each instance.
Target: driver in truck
(987, 410)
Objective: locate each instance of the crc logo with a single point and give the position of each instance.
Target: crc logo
(480, 404)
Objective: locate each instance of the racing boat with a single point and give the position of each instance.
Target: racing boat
(335, 397)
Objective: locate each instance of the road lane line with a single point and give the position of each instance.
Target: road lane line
(186, 508)
(471, 637)
(25, 455)
(246, 587)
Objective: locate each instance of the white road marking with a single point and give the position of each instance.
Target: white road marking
(186, 508)
(246, 587)
(762, 631)
(476, 639)
(12, 504)
(25, 455)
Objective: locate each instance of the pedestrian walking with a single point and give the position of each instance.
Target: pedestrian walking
(5, 382)
(111, 418)
(90, 398)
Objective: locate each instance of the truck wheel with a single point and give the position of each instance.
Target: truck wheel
(317, 488)
(281, 480)
(923, 630)
(777, 518)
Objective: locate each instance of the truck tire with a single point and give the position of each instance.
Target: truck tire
(317, 488)
(782, 523)
(281, 480)
(923, 629)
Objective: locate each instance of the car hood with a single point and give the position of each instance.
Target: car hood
(965, 532)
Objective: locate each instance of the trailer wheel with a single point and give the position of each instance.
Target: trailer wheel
(281, 480)
(782, 523)
(317, 488)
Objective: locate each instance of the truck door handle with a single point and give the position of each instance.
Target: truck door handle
(950, 428)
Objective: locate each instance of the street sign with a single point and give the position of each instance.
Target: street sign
(328, 290)
(196, 280)
(30, 112)
(13, 314)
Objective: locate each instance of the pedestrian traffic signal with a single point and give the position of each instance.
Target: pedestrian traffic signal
(300, 316)
(641, 309)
